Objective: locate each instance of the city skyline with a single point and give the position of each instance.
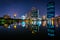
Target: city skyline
(22, 7)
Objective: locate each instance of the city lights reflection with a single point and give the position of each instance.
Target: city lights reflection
(44, 23)
(15, 26)
(23, 24)
(34, 23)
(9, 26)
(39, 23)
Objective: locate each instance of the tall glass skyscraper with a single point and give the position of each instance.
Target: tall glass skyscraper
(34, 12)
(50, 15)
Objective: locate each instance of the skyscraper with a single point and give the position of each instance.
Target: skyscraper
(34, 13)
(51, 10)
(50, 15)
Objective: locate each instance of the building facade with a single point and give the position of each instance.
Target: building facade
(50, 15)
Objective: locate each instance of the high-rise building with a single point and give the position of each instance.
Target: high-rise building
(51, 10)
(34, 13)
(50, 15)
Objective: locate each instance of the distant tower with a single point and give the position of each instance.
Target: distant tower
(34, 12)
(50, 15)
(51, 10)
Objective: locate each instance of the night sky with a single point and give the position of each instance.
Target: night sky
(21, 7)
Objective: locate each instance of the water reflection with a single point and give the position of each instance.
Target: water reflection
(23, 24)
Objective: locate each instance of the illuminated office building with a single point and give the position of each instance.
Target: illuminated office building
(50, 15)
(34, 12)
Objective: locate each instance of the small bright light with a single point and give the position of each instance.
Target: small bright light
(14, 14)
(32, 23)
(15, 26)
(33, 32)
(52, 22)
(6, 25)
